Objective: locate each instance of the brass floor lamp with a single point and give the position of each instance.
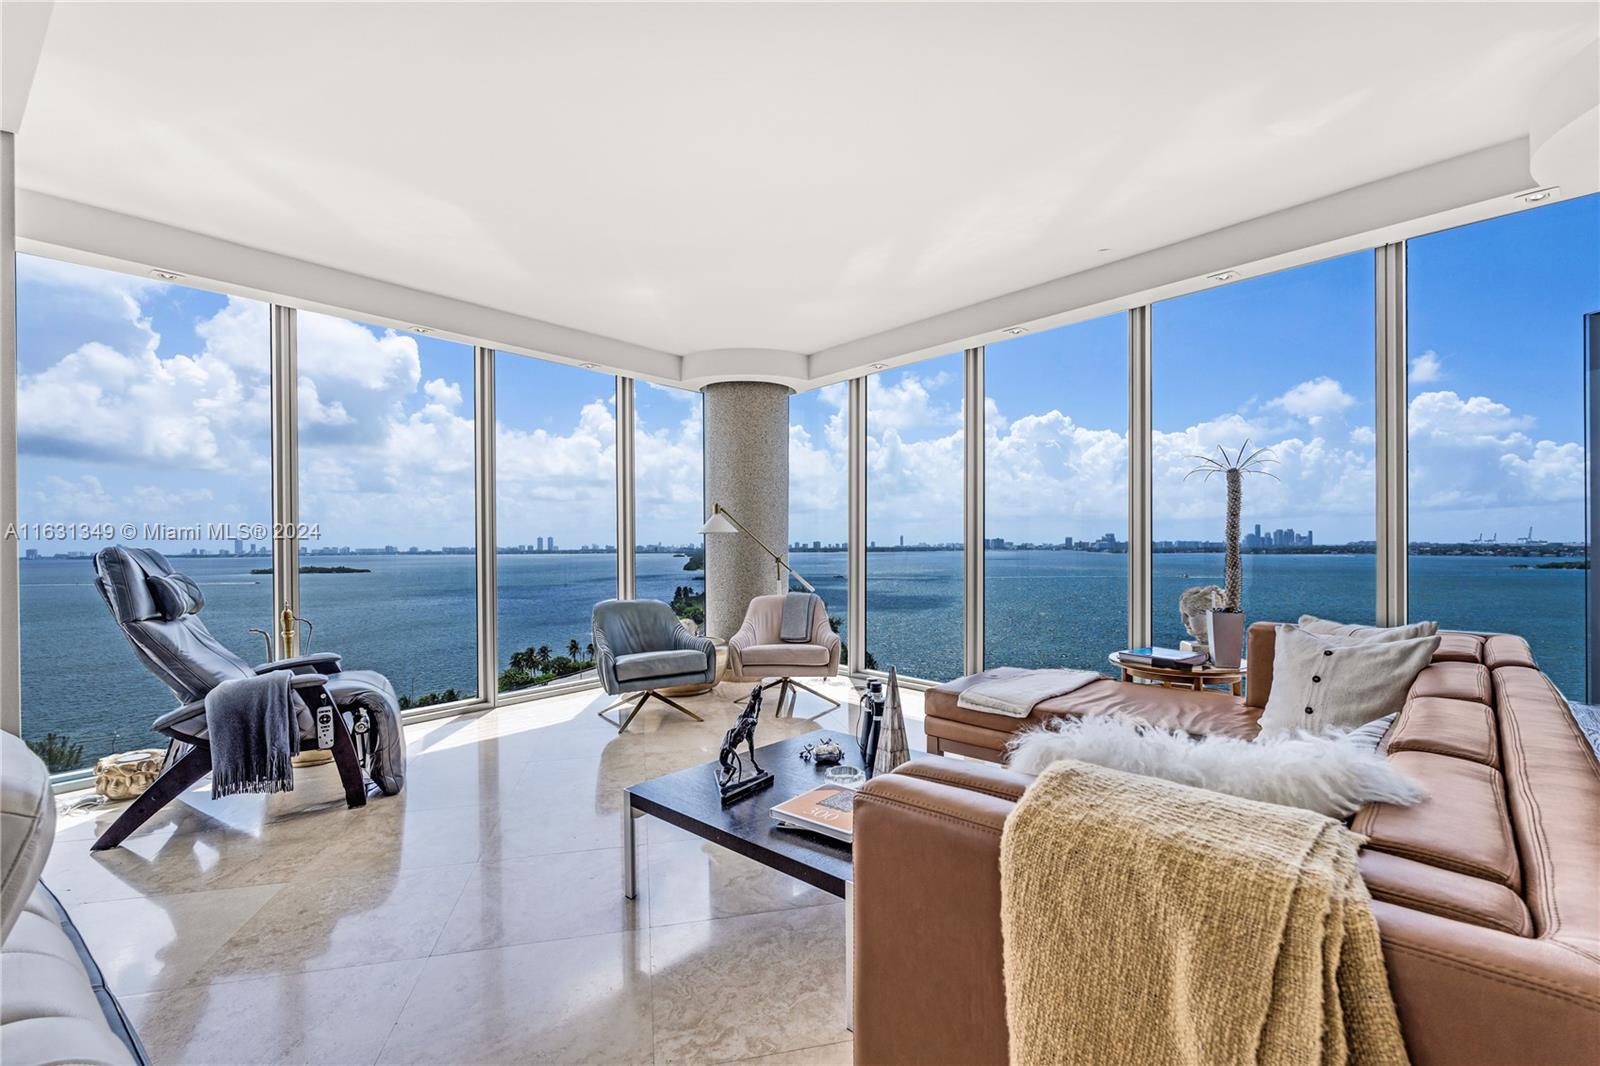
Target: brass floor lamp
(723, 522)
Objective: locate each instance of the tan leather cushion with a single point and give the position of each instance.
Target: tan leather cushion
(1503, 649)
(1459, 648)
(1444, 892)
(1262, 639)
(1456, 681)
(1462, 728)
(1554, 796)
(784, 655)
(1461, 826)
(1171, 708)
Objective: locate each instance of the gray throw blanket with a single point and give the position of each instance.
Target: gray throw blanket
(796, 627)
(251, 727)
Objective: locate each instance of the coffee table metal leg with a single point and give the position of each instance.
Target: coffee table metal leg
(630, 878)
(849, 957)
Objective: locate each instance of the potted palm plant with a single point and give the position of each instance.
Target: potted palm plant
(1225, 624)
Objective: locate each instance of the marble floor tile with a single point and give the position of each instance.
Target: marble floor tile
(552, 897)
(694, 880)
(568, 1001)
(475, 917)
(159, 863)
(827, 1055)
(754, 985)
(387, 836)
(325, 1016)
(330, 923)
(163, 941)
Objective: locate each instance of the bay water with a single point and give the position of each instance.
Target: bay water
(412, 617)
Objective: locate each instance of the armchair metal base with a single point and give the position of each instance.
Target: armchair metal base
(640, 702)
(786, 687)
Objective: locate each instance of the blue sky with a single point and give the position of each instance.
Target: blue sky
(1284, 361)
(146, 401)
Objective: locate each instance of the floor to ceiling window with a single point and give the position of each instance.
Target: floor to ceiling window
(915, 474)
(142, 419)
(1283, 363)
(555, 515)
(1056, 496)
(669, 487)
(819, 483)
(389, 578)
(1496, 425)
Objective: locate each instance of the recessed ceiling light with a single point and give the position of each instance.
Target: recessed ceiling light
(420, 329)
(1223, 275)
(167, 275)
(1539, 196)
(1015, 331)
(590, 366)
(1102, 249)
(879, 366)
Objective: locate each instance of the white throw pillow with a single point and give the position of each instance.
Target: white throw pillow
(1334, 684)
(1322, 627)
(1329, 775)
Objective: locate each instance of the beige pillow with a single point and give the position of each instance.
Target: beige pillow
(1334, 684)
(1324, 628)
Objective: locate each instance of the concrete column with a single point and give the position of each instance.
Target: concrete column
(747, 472)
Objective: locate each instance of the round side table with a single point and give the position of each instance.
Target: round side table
(1231, 678)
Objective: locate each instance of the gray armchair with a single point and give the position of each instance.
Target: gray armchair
(158, 610)
(640, 647)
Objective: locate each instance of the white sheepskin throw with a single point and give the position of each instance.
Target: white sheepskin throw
(1320, 773)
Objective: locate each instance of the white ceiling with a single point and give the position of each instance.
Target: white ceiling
(688, 178)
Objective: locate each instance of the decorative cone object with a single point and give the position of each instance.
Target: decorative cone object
(892, 747)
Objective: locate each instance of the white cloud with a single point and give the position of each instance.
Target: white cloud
(442, 392)
(1315, 400)
(1426, 368)
(1315, 481)
(1445, 418)
(1475, 462)
(668, 482)
(909, 403)
(558, 484)
(193, 412)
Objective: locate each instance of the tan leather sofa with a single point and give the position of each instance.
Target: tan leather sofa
(54, 1006)
(1487, 893)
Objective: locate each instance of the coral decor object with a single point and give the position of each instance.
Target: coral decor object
(1233, 468)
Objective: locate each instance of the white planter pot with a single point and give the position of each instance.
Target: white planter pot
(1225, 633)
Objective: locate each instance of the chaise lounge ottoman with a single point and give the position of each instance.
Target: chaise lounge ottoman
(953, 730)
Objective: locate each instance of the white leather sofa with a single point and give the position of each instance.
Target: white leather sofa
(54, 1006)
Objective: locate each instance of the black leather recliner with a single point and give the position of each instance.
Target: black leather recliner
(157, 609)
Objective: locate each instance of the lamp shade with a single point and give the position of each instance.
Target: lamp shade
(719, 523)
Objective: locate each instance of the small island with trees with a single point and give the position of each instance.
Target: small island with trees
(319, 570)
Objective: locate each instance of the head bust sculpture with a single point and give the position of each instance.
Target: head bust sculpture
(1193, 605)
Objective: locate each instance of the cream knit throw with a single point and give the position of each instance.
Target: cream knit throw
(1150, 923)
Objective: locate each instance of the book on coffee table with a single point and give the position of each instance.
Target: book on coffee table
(1165, 658)
(826, 810)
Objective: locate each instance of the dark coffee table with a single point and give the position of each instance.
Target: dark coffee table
(689, 799)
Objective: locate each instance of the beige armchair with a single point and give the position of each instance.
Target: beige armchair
(757, 651)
